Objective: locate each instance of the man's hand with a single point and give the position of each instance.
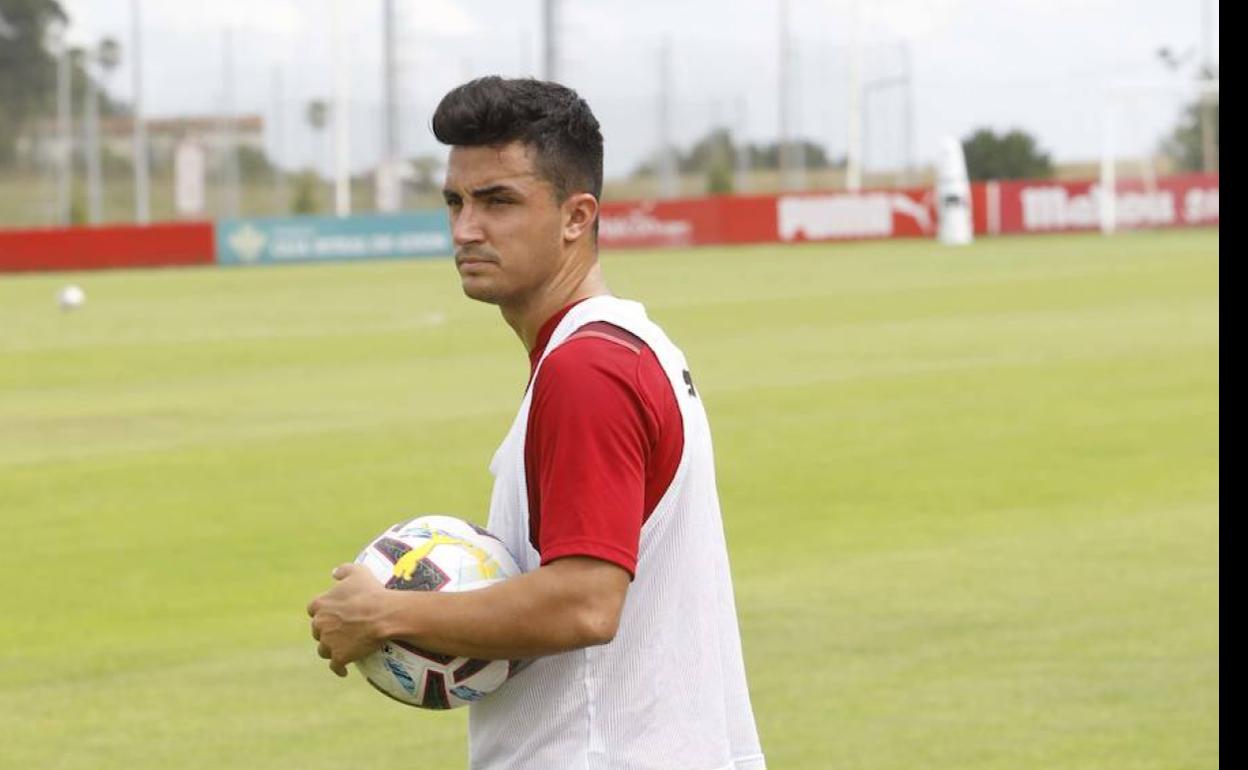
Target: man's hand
(345, 618)
(570, 603)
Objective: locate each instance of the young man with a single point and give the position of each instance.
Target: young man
(604, 487)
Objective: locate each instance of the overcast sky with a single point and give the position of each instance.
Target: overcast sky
(1041, 65)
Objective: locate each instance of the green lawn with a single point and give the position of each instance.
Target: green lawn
(971, 496)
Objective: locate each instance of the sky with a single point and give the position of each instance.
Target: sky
(1044, 66)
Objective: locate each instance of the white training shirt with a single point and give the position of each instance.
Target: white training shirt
(669, 692)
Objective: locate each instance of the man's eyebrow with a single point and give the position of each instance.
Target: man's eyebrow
(494, 189)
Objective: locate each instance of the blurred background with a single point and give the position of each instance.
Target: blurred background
(315, 106)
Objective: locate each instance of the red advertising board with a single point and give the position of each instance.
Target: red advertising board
(660, 223)
(768, 218)
(836, 216)
(1037, 206)
(92, 248)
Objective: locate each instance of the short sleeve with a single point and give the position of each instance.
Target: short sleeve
(587, 447)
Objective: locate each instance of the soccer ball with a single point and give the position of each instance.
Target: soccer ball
(435, 553)
(71, 297)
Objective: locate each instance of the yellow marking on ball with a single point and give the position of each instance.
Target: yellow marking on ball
(405, 567)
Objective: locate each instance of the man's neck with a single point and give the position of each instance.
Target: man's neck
(527, 320)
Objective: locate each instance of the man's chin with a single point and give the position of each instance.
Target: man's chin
(480, 292)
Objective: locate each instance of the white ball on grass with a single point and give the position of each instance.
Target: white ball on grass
(71, 297)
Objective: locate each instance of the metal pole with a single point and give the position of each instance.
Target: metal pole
(1208, 145)
(229, 120)
(797, 145)
(785, 149)
(550, 40)
(668, 182)
(390, 128)
(64, 147)
(389, 171)
(280, 197)
(342, 130)
(743, 151)
(908, 74)
(853, 155)
(91, 140)
(142, 203)
(1109, 184)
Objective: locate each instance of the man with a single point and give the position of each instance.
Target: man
(604, 486)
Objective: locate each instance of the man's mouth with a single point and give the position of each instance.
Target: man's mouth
(473, 259)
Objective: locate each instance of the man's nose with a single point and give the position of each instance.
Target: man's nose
(465, 228)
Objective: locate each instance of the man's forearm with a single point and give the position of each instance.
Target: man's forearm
(550, 610)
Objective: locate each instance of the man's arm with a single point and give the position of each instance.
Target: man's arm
(567, 604)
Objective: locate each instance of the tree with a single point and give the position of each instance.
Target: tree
(1013, 155)
(425, 171)
(253, 164)
(27, 69)
(715, 156)
(306, 199)
(1184, 146)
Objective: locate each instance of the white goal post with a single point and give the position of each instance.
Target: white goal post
(1116, 100)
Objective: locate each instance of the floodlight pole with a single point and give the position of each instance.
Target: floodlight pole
(342, 130)
(229, 125)
(1208, 146)
(390, 121)
(668, 183)
(91, 139)
(280, 196)
(908, 74)
(142, 202)
(785, 148)
(550, 40)
(853, 153)
(742, 159)
(64, 145)
(1109, 182)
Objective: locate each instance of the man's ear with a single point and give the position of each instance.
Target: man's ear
(580, 211)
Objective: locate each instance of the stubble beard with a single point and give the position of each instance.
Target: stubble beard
(482, 293)
(478, 287)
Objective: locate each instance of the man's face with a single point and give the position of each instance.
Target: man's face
(505, 223)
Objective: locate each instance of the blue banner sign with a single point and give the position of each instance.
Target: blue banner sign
(272, 240)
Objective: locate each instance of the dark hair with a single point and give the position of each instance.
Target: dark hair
(546, 116)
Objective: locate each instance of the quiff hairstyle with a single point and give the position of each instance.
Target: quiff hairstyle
(550, 118)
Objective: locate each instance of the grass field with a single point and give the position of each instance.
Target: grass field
(971, 495)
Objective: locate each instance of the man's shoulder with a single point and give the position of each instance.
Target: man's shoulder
(600, 334)
(595, 346)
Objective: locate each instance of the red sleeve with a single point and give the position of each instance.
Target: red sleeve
(591, 434)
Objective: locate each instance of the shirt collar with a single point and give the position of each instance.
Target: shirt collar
(544, 335)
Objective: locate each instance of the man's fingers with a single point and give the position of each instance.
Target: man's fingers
(316, 631)
(343, 571)
(313, 606)
(338, 667)
(322, 649)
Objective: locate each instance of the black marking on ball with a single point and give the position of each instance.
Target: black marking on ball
(469, 668)
(426, 577)
(436, 696)
(436, 657)
(392, 549)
